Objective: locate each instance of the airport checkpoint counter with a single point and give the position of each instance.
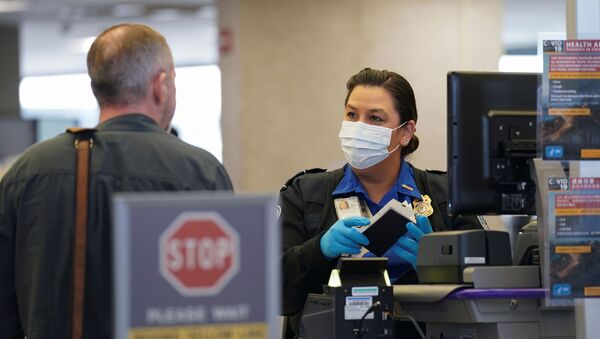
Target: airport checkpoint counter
(470, 289)
(494, 302)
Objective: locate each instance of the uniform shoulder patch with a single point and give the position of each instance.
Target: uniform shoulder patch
(299, 174)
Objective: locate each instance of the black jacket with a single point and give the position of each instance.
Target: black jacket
(130, 153)
(307, 212)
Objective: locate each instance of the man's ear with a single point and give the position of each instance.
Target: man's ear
(159, 88)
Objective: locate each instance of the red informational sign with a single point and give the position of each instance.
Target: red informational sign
(199, 253)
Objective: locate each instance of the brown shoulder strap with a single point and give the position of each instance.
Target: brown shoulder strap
(83, 144)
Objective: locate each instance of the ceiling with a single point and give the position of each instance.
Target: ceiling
(80, 10)
(55, 34)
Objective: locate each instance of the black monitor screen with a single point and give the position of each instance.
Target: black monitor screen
(491, 141)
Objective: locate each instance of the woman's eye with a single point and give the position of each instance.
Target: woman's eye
(376, 118)
(351, 115)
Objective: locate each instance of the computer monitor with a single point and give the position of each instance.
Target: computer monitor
(491, 141)
(16, 135)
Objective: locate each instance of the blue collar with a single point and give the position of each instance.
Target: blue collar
(406, 180)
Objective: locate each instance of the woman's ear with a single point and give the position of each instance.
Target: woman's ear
(408, 131)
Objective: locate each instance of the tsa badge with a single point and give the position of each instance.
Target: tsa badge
(423, 206)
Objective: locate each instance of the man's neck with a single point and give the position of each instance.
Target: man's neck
(108, 112)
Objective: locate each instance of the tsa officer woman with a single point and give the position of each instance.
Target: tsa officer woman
(377, 133)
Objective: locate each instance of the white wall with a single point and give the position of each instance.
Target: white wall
(284, 78)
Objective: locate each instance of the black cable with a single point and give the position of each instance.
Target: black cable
(358, 332)
(414, 322)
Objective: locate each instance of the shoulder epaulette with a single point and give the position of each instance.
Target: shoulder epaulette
(299, 174)
(436, 171)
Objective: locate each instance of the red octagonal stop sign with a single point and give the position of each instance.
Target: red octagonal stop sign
(199, 253)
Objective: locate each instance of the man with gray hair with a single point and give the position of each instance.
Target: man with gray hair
(132, 76)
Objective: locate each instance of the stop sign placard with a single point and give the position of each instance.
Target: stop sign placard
(199, 253)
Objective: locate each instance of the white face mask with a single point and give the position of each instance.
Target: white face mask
(365, 145)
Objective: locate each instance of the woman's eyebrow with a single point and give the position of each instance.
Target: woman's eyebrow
(373, 110)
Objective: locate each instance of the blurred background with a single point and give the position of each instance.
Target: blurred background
(261, 83)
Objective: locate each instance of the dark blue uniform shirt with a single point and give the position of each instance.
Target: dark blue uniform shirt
(350, 185)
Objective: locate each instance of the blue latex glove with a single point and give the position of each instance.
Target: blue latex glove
(342, 238)
(408, 244)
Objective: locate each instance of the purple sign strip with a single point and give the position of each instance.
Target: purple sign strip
(499, 293)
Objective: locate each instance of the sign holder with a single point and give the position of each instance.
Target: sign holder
(195, 264)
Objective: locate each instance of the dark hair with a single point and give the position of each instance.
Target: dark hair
(401, 91)
(123, 59)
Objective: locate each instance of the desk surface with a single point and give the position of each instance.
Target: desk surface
(434, 293)
(498, 293)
